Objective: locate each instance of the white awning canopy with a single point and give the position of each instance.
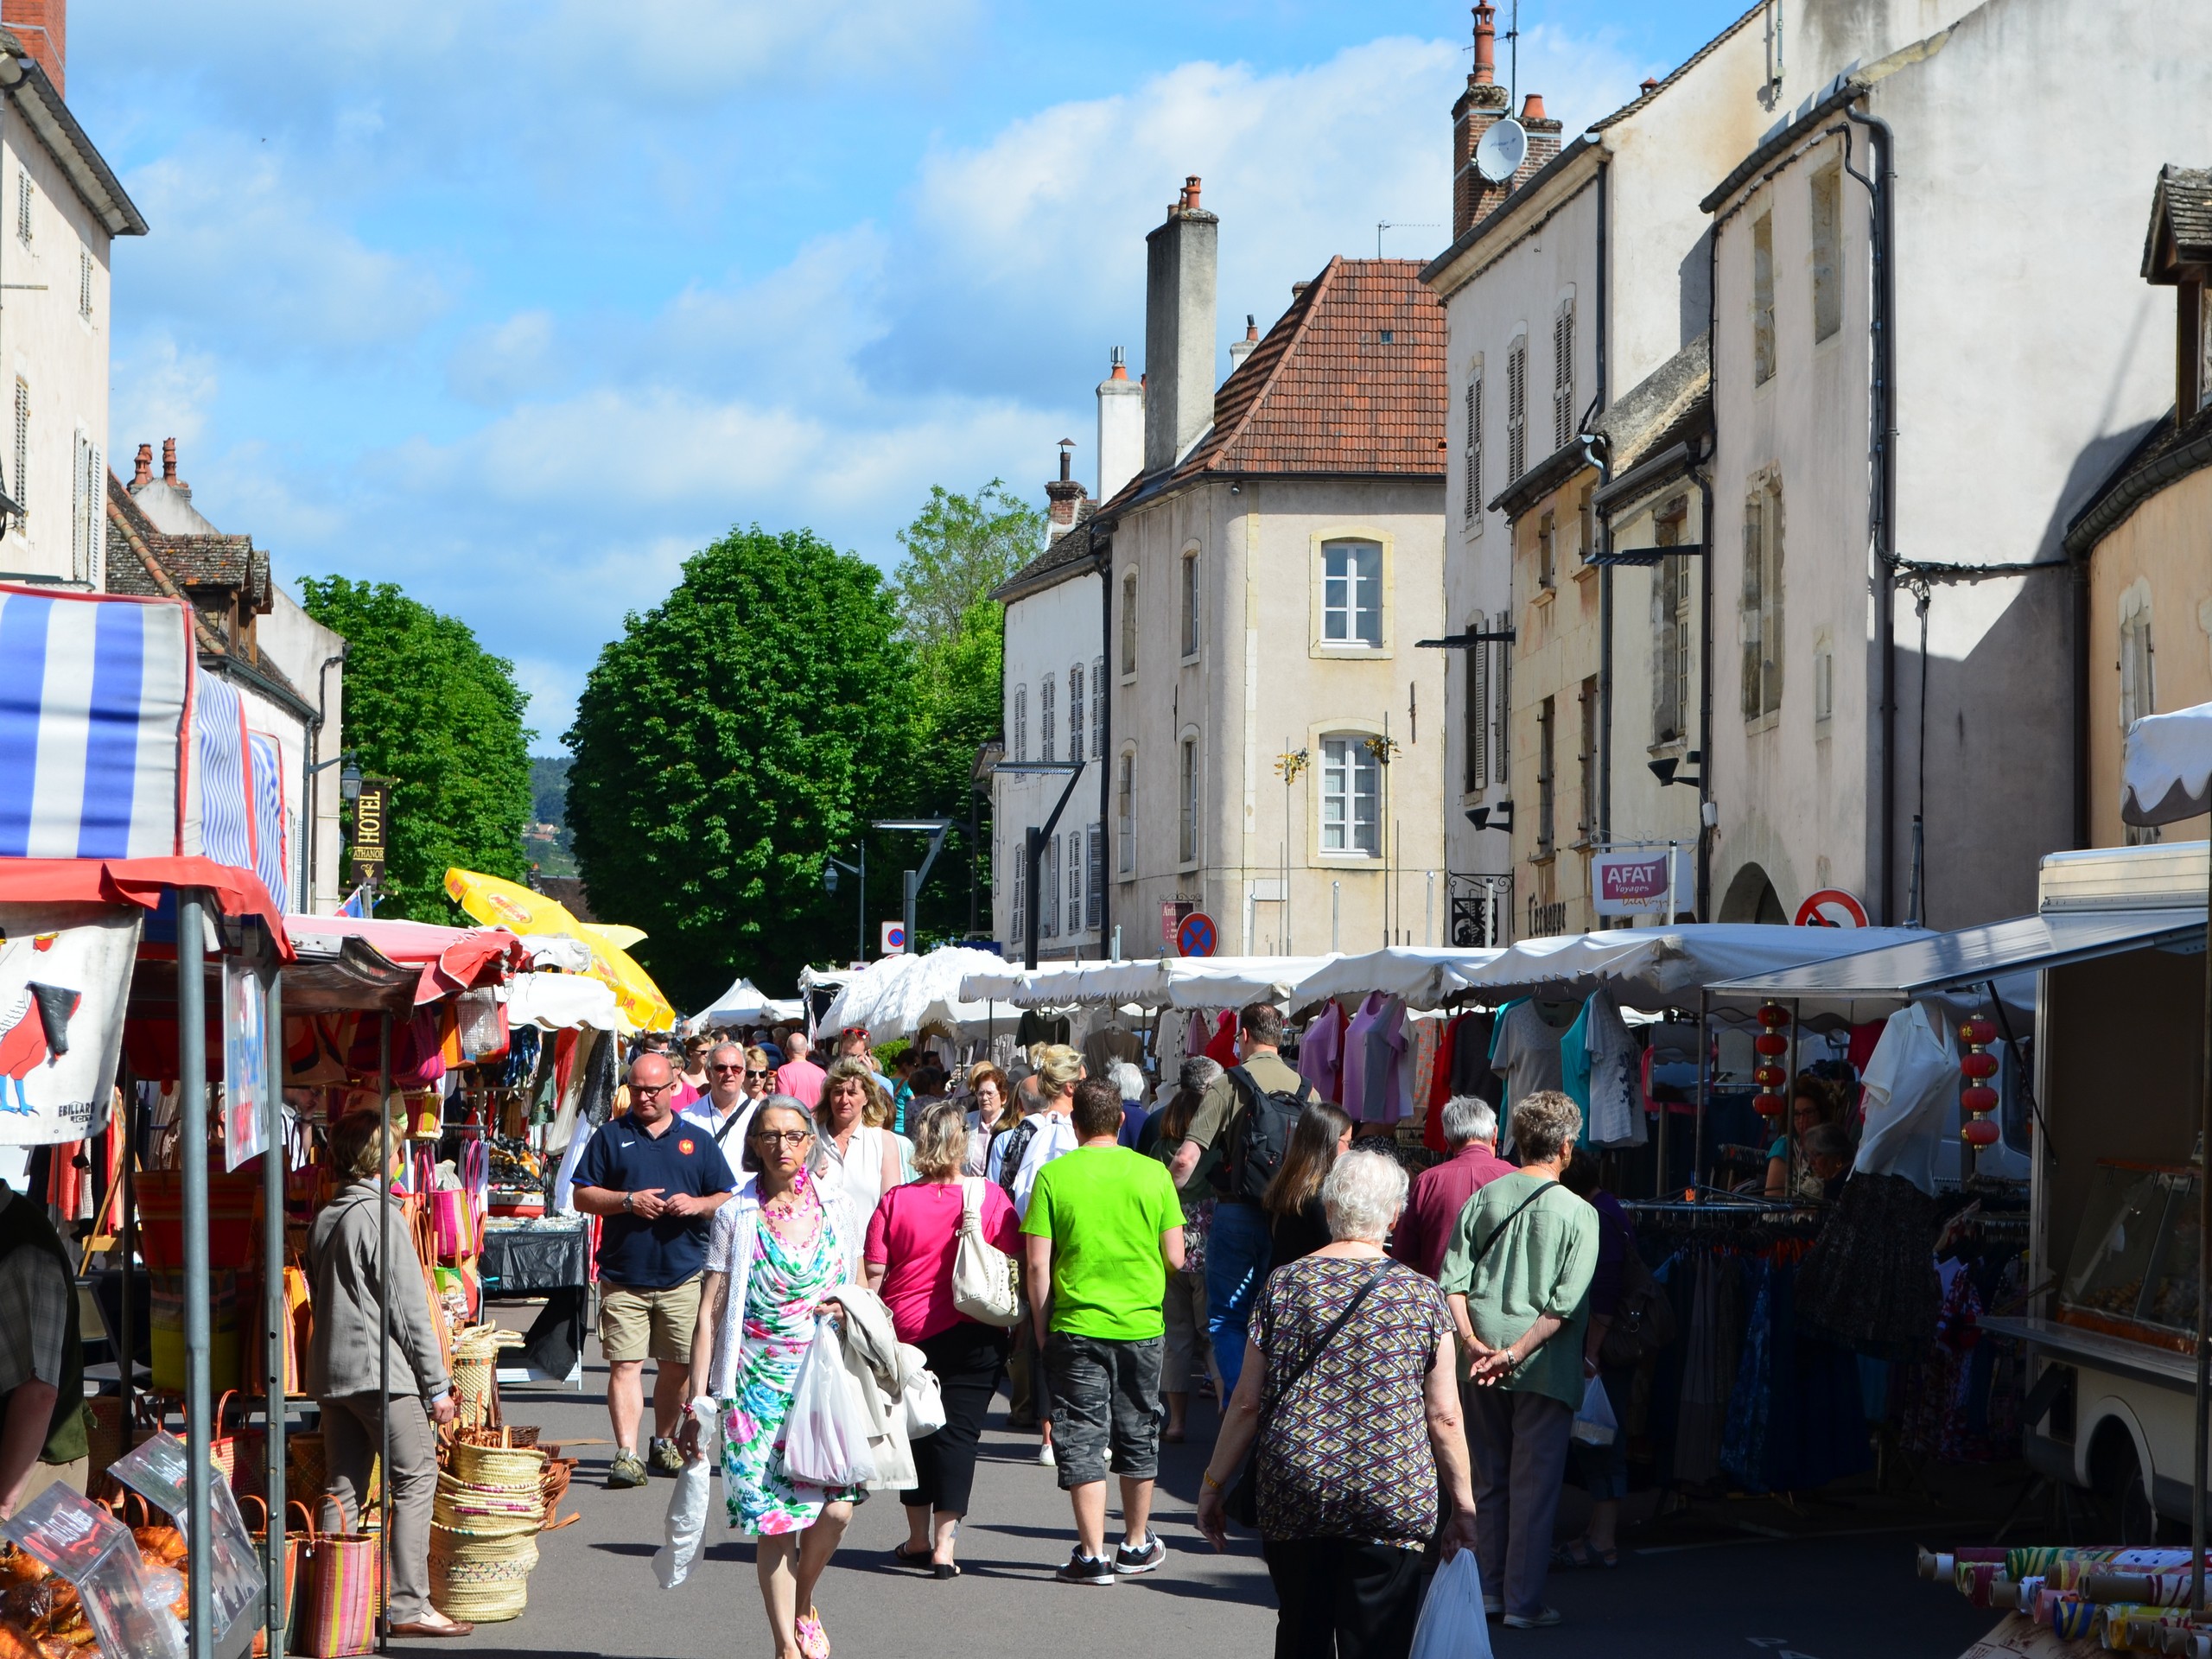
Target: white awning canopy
(897, 996)
(1150, 982)
(1657, 968)
(1427, 977)
(2168, 772)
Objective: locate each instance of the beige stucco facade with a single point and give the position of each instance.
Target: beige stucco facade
(1261, 683)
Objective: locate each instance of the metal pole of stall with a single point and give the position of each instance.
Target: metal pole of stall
(191, 1146)
(1659, 1182)
(1789, 1106)
(2204, 1277)
(276, 1310)
(1704, 1058)
(127, 1325)
(384, 1334)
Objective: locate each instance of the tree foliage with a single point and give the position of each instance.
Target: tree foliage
(959, 548)
(737, 732)
(429, 708)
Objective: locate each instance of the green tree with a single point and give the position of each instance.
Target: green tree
(956, 711)
(429, 708)
(959, 548)
(747, 726)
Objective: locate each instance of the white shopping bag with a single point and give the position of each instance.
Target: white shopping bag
(826, 1434)
(1453, 1625)
(687, 1505)
(1595, 1424)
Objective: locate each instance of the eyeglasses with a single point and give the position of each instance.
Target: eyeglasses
(789, 1137)
(646, 1088)
(740, 1066)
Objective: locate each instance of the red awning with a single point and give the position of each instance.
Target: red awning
(139, 881)
(452, 958)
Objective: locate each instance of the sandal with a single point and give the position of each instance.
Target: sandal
(902, 1556)
(813, 1640)
(1577, 1552)
(945, 1569)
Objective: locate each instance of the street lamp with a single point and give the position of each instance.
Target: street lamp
(1035, 838)
(935, 830)
(830, 865)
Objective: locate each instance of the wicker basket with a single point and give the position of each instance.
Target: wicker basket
(479, 1578)
(494, 1510)
(497, 1466)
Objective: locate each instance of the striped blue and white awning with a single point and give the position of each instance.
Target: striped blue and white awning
(93, 690)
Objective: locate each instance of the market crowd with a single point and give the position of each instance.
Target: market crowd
(1398, 1361)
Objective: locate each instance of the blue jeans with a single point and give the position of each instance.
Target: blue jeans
(1236, 1265)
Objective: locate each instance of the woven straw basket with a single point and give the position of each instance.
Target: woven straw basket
(477, 1578)
(521, 1468)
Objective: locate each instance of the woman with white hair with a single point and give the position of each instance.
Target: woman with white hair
(1349, 1401)
(1517, 1277)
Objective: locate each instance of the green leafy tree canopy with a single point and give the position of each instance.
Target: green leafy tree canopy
(958, 548)
(430, 708)
(734, 734)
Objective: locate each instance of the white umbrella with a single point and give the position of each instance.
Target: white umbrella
(743, 1004)
(1148, 981)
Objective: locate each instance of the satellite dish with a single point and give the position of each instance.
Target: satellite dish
(1502, 149)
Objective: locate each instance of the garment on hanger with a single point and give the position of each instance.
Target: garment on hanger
(1525, 1051)
(1709, 1360)
(1440, 1083)
(1911, 1084)
(1472, 1036)
(1385, 1095)
(1037, 1027)
(1611, 1067)
(1222, 1045)
(1355, 1030)
(1111, 1043)
(1321, 1052)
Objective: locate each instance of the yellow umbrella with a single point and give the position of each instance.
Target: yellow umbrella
(500, 903)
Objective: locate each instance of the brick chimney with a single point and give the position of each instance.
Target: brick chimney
(1179, 329)
(1478, 110)
(1120, 428)
(43, 28)
(1543, 138)
(144, 475)
(1064, 496)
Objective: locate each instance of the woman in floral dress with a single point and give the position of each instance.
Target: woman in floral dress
(778, 1248)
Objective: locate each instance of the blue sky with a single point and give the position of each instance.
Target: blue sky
(518, 303)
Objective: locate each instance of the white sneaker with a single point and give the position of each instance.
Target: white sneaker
(1044, 1455)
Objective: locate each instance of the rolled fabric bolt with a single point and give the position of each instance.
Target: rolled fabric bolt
(2149, 1589)
(1933, 1565)
(2072, 1618)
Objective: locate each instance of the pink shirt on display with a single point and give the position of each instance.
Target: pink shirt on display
(916, 1231)
(1320, 1053)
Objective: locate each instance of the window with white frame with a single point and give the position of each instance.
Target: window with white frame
(1128, 622)
(1563, 422)
(1477, 660)
(1094, 911)
(1125, 826)
(1020, 926)
(1187, 811)
(1048, 889)
(1021, 722)
(1352, 797)
(1762, 299)
(1190, 604)
(1047, 696)
(2139, 691)
(1076, 859)
(1760, 618)
(1516, 409)
(87, 522)
(1351, 594)
(1074, 712)
(1471, 456)
(1097, 708)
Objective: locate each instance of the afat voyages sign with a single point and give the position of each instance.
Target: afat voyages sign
(1635, 883)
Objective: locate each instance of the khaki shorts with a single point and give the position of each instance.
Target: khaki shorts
(635, 1325)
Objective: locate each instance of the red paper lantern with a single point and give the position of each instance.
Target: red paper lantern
(1976, 1066)
(1978, 1097)
(1768, 1105)
(1770, 1042)
(1977, 1132)
(1769, 1076)
(1979, 1032)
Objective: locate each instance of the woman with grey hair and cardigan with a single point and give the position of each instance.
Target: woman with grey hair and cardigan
(1349, 1402)
(1517, 1278)
(371, 1314)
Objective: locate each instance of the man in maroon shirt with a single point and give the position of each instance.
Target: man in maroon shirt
(1424, 1232)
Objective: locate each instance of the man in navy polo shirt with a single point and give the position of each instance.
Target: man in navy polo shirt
(658, 1180)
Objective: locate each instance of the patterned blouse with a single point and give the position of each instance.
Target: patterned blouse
(1346, 1455)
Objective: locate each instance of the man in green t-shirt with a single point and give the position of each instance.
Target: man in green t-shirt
(1105, 1228)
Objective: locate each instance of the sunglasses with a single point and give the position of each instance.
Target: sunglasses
(740, 1066)
(762, 1072)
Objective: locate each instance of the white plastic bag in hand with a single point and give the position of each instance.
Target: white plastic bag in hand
(1595, 1424)
(826, 1434)
(1452, 1622)
(687, 1505)
(920, 1397)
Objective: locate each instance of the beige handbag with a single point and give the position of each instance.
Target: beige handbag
(984, 1286)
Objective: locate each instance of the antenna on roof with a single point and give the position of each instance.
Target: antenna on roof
(1382, 225)
(1513, 62)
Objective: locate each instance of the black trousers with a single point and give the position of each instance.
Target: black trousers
(967, 1361)
(1343, 1599)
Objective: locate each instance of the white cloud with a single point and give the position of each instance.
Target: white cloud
(161, 391)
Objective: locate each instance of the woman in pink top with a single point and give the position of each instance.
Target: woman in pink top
(911, 1240)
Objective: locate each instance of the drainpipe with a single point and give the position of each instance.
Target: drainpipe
(310, 796)
(1604, 457)
(1705, 754)
(1881, 187)
(2079, 579)
(1104, 736)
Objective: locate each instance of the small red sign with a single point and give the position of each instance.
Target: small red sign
(684, 1146)
(1831, 908)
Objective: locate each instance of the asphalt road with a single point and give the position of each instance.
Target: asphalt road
(1837, 1583)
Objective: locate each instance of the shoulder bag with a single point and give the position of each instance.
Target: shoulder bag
(1243, 1502)
(984, 1286)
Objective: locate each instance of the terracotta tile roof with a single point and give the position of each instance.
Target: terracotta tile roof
(143, 561)
(1349, 380)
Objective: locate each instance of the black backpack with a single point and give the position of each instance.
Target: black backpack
(1261, 1136)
